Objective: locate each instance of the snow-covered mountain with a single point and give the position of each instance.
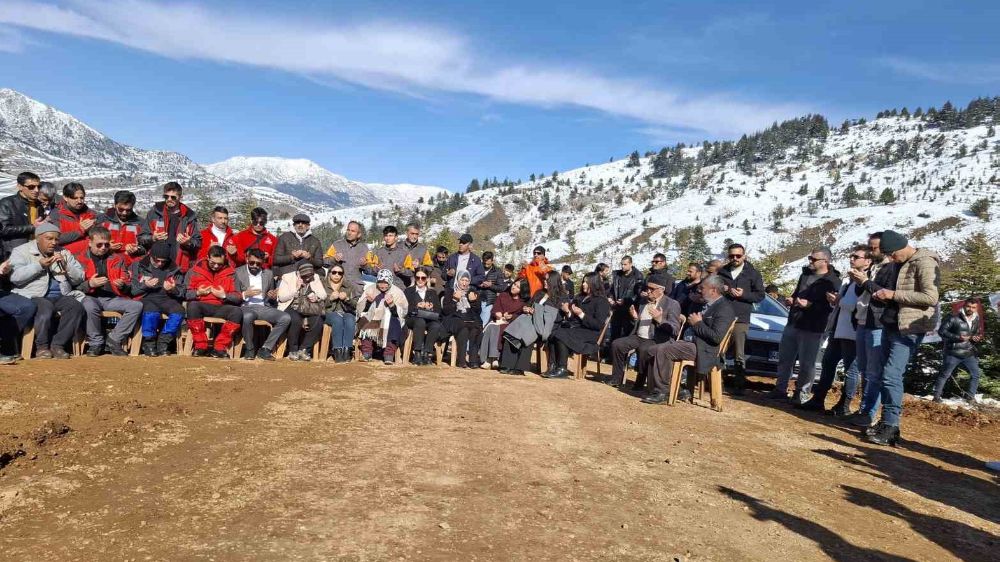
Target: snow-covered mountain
(819, 190)
(311, 182)
(61, 148)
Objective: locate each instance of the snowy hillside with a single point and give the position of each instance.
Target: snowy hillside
(824, 191)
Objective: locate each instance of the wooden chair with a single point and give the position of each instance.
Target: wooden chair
(238, 340)
(680, 330)
(131, 345)
(185, 343)
(540, 355)
(715, 375)
(28, 342)
(578, 361)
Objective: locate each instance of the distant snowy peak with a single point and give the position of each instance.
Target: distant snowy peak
(309, 181)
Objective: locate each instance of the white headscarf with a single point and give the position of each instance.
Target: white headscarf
(463, 304)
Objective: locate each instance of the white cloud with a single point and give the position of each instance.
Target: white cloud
(407, 58)
(952, 73)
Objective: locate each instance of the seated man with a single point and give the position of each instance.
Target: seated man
(47, 277)
(256, 287)
(211, 291)
(159, 282)
(107, 287)
(657, 323)
(700, 343)
(16, 314)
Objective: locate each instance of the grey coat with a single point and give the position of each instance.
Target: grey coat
(537, 326)
(30, 279)
(241, 279)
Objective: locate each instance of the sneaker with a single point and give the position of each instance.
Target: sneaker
(494, 364)
(43, 353)
(9, 359)
(94, 351)
(60, 353)
(200, 353)
(776, 395)
(265, 354)
(305, 355)
(366, 357)
(487, 366)
(219, 354)
(295, 356)
(249, 354)
(116, 348)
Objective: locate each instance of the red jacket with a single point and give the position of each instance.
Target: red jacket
(201, 276)
(157, 220)
(118, 268)
(247, 239)
(208, 240)
(123, 232)
(72, 237)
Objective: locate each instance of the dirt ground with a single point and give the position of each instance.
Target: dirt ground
(199, 459)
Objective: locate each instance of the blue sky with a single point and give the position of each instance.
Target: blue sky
(440, 92)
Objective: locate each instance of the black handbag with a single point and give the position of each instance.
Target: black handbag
(427, 314)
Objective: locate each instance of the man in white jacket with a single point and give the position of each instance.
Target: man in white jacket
(47, 277)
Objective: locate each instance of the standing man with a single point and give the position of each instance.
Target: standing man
(392, 256)
(465, 260)
(625, 285)
(47, 277)
(296, 246)
(682, 290)
(256, 287)
(255, 235)
(493, 284)
(124, 226)
(73, 218)
(419, 255)
(960, 333)
(566, 276)
(176, 225)
(218, 234)
(20, 213)
(868, 342)
(438, 270)
(744, 288)
(803, 334)
(910, 311)
(350, 252)
(108, 287)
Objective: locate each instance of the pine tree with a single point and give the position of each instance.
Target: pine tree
(981, 209)
(887, 196)
(820, 194)
(746, 227)
(473, 186)
(975, 269)
(204, 204)
(633, 160)
(850, 196)
(243, 213)
(697, 249)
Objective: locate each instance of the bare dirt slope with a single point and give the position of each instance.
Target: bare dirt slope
(191, 459)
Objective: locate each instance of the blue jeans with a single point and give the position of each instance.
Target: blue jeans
(897, 350)
(838, 350)
(487, 313)
(20, 308)
(801, 345)
(971, 364)
(869, 361)
(342, 325)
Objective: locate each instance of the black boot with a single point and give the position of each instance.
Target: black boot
(149, 347)
(163, 344)
(885, 435)
(740, 386)
(418, 358)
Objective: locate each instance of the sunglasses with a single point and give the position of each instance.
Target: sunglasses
(255, 263)
(32, 187)
(814, 260)
(299, 222)
(102, 244)
(659, 261)
(260, 222)
(171, 197)
(336, 273)
(735, 256)
(538, 253)
(421, 277)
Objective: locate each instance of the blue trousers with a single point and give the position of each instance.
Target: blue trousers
(342, 325)
(971, 364)
(869, 360)
(897, 350)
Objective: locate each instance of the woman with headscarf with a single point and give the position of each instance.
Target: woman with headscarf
(508, 306)
(380, 309)
(461, 309)
(583, 320)
(340, 316)
(302, 295)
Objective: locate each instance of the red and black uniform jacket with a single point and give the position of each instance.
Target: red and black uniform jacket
(125, 232)
(143, 269)
(208, 240)
(113, 266)
(247, 239)
(72, 237)
(184, 220)
(201, 276)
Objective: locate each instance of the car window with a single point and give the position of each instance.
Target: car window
(770, 307)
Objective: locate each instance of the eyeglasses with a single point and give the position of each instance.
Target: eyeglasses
(735, 256)
(171, 197)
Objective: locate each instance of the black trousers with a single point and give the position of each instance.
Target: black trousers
(467, 334)
(515, 357)
(425, 332)
(295, 328)
(558, 353)
(199, 309)
(71, 313)
(620, 349)
(162, 303)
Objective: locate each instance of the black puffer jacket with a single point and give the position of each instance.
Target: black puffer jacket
(15, 227)
(951, 332)
(813, 288)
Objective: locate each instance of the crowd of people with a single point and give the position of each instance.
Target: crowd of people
(64, 264)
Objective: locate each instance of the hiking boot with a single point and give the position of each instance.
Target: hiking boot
(116, 348)
(884, 435)
(148, 347)
(59, 353)
(43, 353)
(249, 353)
(265, 354)
(94, 351)
(163, 344)
(218, 354)
(200, 353)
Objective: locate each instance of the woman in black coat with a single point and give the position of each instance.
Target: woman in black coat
(516, 358)
(583, 320)
(424, 304)
(461, 310)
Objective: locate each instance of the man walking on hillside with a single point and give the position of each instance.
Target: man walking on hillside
(960, 334)
(803, 334)
(744, 288)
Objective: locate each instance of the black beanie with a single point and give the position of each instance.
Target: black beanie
(892, 241)
(161, 251)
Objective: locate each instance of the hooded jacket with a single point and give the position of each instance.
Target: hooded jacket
(143, 269)
(72, 236)
(201, 276)
(125, 232)
(185, 221)
(813, 287)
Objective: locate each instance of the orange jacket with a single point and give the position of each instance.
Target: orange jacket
(535, 274)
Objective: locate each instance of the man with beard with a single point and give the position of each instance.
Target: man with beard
(218, 233)
(256, 235)
(256, 287)
(211, 291)
(296, 246)
(417, 252)
(73, 218)
(351, 252)
(107, 287)
(176, 225)
(20, 213)
(124, 226)
(744, 288)
(625, 286)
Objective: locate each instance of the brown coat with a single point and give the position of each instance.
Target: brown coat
(917, 292)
